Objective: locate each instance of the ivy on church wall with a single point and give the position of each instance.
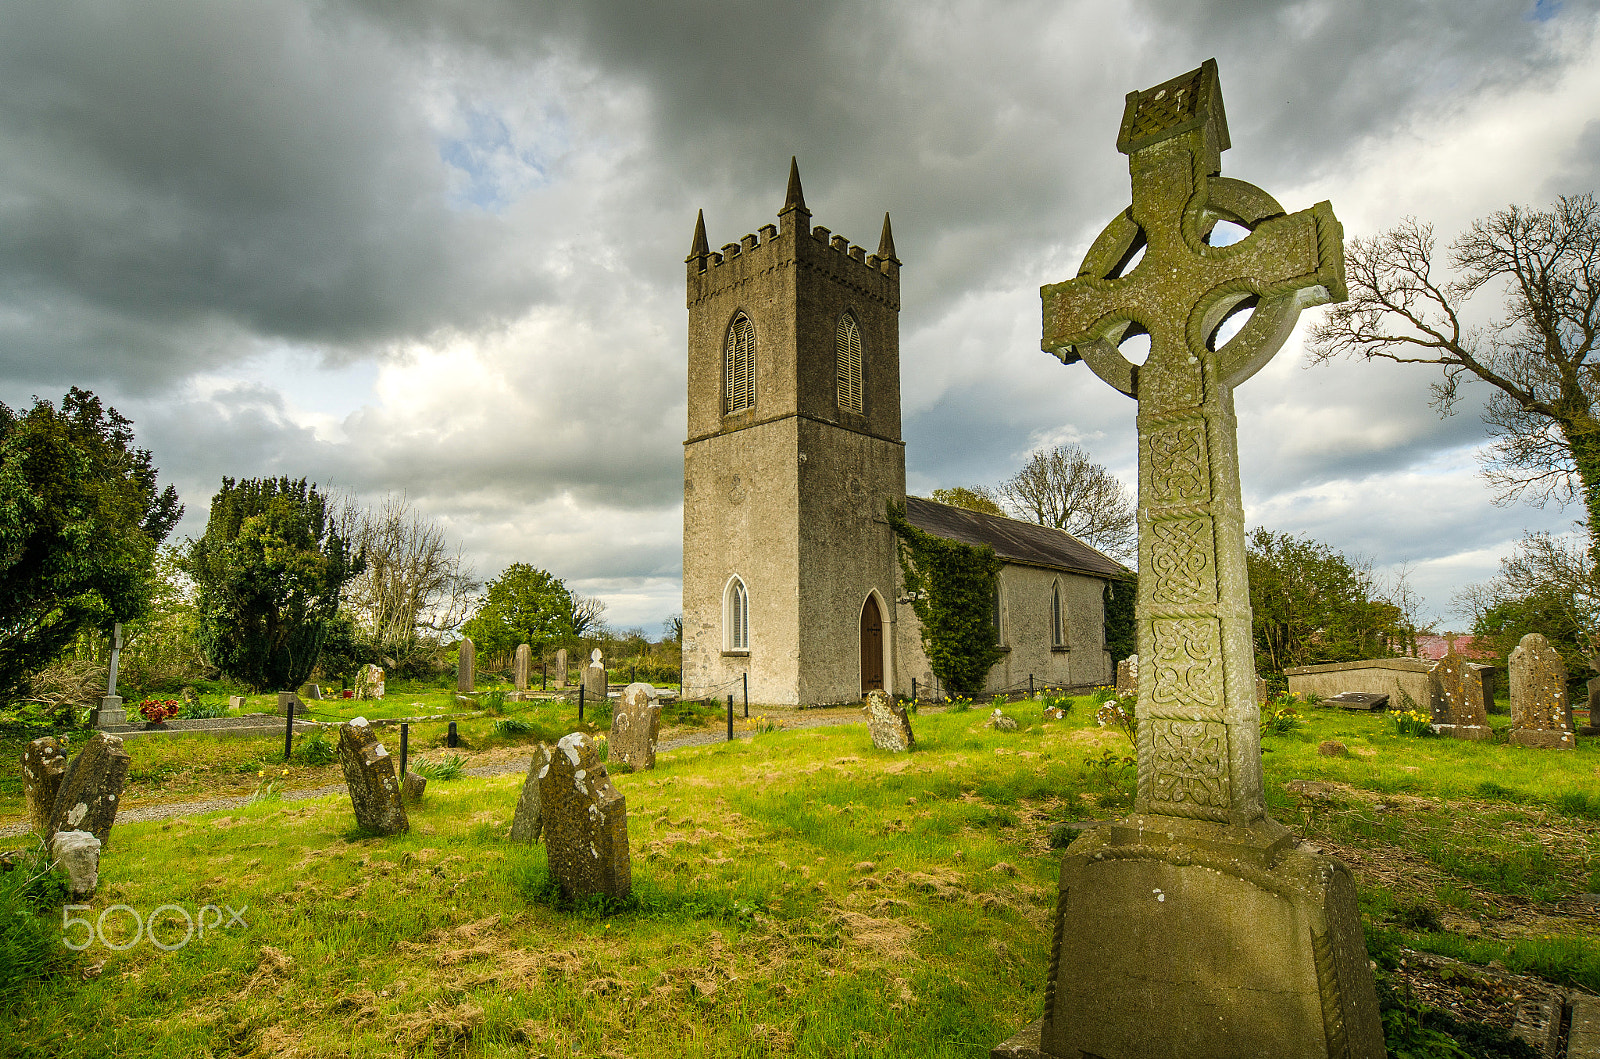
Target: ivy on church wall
(951, 586)
(1122, 634)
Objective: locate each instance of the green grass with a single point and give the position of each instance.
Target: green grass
(797, 893)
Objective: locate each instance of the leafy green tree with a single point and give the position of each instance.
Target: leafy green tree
(80, 519)
(975, 498)
(1548, 585)
(524, 605)
(1122, 631)
(268, 573)
(1312, 605)
(951, 586)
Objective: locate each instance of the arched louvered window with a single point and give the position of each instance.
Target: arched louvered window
(739, 375)
(1058, 617)
(847, 346)
(736, 616)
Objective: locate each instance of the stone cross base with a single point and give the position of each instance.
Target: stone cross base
(1199, 940)
(1544, 738)
(1474, 732)
(110, 712)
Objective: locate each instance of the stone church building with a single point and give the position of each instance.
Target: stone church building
(790, 573)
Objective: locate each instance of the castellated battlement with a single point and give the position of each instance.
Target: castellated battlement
(875, 276)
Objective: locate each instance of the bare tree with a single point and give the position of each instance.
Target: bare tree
(1064, 488)
(588, 616)
(1538, 357)
(415, 587)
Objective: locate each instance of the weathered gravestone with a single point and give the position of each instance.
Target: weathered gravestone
(1594, 696)
(1457, 710)
(43, 765)
(287, 699)
(1261, 691)
(369, 772)
(1541, 712)
(1198, 926)
(413, 787)
(888, 723)
(519, 671)
(78, 853)
(595, 687)
(1000, 722)
(585, 822)
(235, 702)
(91, 787)
(314, 692)
(635, 727)
(529, 820)
(561, 669)
(1128, 676)
(371, 682)
(466, 662)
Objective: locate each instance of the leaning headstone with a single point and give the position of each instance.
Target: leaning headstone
(1128, 676)
(78, 853)
(285, 698)
(412, 787)
(561, 669)
(43, 764)
(466, 663)
(520, 668)
(595, 687)
(585, 822)
(1456, 710)
(369, 772)
(1541, 712)
(91, 788)
(888, 723)
(529, 819)
(1358, 700)
(635, 727)
(314, 692)
(1198, 926)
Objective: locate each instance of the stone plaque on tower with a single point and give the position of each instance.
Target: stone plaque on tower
(1197, 927)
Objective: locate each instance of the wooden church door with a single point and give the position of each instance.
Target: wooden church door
(871, 647)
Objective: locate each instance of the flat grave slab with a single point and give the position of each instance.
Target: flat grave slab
(1359, 700)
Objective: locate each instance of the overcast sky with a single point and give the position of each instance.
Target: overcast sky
(437, 247)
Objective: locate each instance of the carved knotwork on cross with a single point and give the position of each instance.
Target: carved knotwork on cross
(1199, 743)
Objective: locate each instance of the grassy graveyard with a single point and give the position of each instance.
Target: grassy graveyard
(797, 892)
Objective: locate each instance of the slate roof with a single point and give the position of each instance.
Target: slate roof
(1013, 540)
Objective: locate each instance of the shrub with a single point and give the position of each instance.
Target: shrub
(1102, 695)
(315, 749)
(1052, 701)
(493, 702)
(960, 703)
(157, 710)
(512, 726)
(1280, 720)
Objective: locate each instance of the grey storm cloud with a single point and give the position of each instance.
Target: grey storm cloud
(188, 191)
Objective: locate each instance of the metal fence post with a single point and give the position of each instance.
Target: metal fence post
(405, 732)
(580, 703)
(730, 716)
(288, 733)
(746, 678)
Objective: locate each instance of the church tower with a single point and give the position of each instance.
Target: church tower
(789, 568)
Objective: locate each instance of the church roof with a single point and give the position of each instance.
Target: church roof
(1012, 540)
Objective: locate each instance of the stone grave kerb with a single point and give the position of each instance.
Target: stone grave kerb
(1199, 741)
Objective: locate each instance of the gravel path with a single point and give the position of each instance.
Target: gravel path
(790, 719)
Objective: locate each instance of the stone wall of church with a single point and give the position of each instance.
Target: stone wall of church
(847, 550)
(1025, 621)
(740, 494)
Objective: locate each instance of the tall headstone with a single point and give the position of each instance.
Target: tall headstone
(1198, 926)
(520, 668)
(111, 712)
(1128, 676)
(635, 727)
(595, 687)
(371, 682)
(466, 661)
(91, 788)
(560, 675)
(585, 820)
(1456, 699)
(1541, 711)
(43, 765)
(888, 723)
(369, 773)
(528, 822)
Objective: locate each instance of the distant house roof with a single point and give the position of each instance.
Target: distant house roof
(1012, 540)
(1436, 647)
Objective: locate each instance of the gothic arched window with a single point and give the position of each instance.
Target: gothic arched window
(739, 375)
(847, 347)
(1058, 617)
(735, 616)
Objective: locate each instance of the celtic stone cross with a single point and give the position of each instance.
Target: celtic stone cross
(1199, 744)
